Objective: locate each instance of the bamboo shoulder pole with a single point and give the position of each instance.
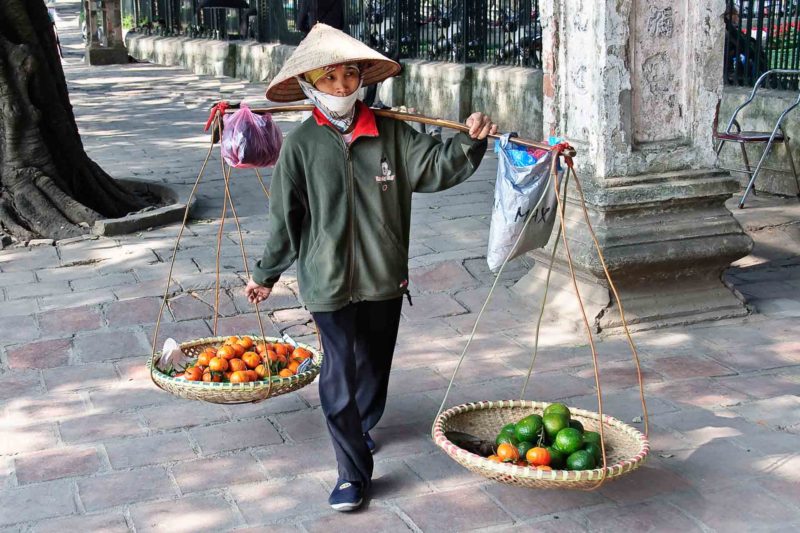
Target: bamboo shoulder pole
(410, 117)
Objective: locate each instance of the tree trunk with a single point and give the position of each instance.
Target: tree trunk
(48, 185)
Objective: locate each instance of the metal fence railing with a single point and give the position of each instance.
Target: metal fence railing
(503, 32)
(761, 35)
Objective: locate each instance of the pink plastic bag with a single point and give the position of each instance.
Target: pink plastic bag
(250, 140)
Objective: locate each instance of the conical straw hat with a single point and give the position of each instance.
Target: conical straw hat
(324, 46)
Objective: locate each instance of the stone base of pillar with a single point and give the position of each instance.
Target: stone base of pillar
(116, 55)
(666, 240)
(652, 305)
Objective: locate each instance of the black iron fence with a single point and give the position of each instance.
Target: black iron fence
(503, 32)
(762, 35)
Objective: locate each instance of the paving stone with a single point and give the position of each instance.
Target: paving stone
(26, 503)
(281, 297)
(621, 375)
(215, 472)
(19, 329)
(44, 408)
(182, 414)
(539, 503)
(441, 277)
(557, 524)
(185, 307)
(180, 331)
(40, 354)
(402, 441)
(27, 438)
(431, 306)
(235, 435)
(647, 482)
(778, 411)
(278, 404)
(67, 273)
(22, 277)
(455, 510)
(111, 522)
(26, 259)
(125, 488)
(685, 367)
(56, 463)
(390, 480)
(648, 516)
(415, 380)
(76, 299)
(376, 520)
(245, 324)
(306, 456)
(74, 320)
(699, 393)
(701, 426)
(20, 308)
(136, 371)
(102, 426)
(270, 502)
(442, 472)
(110, 344)
(79, 377)
(303, 425)
(134, 312)
(742, 506)
(143, 289)
(99, 282)
(149, 450)
(15, 383)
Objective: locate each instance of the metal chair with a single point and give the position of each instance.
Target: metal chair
(734, 133)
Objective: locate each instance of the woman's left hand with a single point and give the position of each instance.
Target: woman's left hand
(480, 126)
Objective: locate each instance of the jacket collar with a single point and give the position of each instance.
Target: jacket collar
(365, 121)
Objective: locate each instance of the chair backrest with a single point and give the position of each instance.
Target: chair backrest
(756, 87)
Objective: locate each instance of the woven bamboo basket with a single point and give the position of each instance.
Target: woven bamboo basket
(232, 393)
(626, 447)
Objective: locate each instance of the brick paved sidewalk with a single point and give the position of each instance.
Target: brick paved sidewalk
(88, 443)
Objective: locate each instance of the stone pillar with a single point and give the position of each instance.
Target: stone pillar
(104, 45)
(633, 85)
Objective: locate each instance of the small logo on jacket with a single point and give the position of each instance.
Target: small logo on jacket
(386, 174)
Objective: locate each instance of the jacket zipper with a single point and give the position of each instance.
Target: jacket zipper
(352, 221)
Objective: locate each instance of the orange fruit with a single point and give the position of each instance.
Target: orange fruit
(262, 371)
(251, 375)
(251, 359)
(237, 364)
(232, 340)
(544, 467)
(212, 377)
(204, 358)
(286, 373)
(538, 456)
(238, 349)
(193, 374)
(226, 352)
(247, 342)
(227, 375)
(283, 349)
(494, 458)
(261, 348)
(240, 376)
(218, 364)
(508, 453)
(301, 354)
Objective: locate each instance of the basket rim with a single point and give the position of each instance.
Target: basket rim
(566, 476)
(248, 386)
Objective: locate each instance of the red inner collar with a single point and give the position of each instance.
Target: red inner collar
(365, 121)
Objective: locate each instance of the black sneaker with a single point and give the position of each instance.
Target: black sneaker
(347, 496)
(370, 443)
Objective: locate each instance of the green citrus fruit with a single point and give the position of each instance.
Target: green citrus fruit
(576, 425)
(504, 437)
(529, 428)
(508, 429)
(595, 450)
(568, 440)
(580, 460)
(553, 423)
(557, 458)
(523, 447)
(591, 436)
(557, 408)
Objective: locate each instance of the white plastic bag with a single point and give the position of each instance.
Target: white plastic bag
(518, 190)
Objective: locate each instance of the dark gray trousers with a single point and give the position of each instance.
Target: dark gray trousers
(358, 342)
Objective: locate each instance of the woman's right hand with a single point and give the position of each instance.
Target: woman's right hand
(256, 293)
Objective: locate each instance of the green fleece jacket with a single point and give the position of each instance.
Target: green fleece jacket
(344, 212)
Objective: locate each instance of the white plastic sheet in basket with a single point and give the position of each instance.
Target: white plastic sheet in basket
(172, 356)
(520, 189)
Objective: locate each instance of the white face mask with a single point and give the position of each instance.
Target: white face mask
(340, 110)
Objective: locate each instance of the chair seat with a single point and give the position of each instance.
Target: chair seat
(749, 136)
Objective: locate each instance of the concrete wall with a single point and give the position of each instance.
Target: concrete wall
(512, 96)
(761, 115)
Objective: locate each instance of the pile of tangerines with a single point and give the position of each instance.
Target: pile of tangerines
(240, 360)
